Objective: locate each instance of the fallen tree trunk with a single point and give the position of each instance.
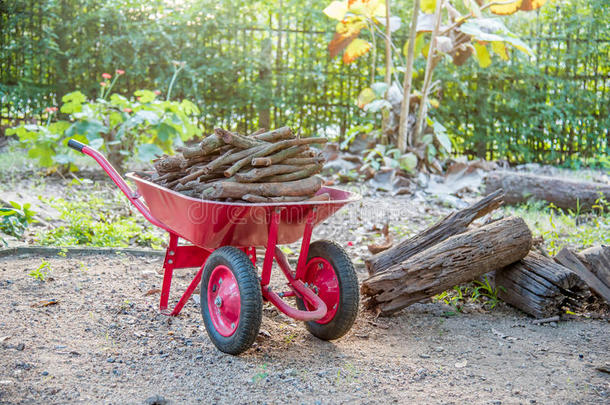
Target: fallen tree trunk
(457, 259)
(451, 225)
(597, 259)
(564, 193)
(537, 285)
(590, 269)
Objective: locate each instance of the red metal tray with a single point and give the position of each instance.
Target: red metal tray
(211, 224)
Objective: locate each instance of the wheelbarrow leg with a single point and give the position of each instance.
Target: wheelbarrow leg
(168, 272)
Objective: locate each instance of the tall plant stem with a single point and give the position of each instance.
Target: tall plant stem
(403, 141)
(388, 67)
(374, 55)
(430, 65)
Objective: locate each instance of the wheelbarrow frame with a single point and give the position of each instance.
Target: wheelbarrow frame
(179, 256)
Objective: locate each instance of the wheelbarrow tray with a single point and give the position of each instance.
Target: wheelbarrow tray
(211, 224)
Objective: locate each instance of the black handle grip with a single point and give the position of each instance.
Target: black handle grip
(76, 145)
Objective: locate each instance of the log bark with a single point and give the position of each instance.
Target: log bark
(585, 270)
(168, 164)
(279, 156)
(232, 189)
(455, 260)
(205, 147)
(305, 171)
(597, 259)
(260, 173)
(304, 161)
(454, 224)
(537, 285)
(275, 135)
(239, 141)
(269, 149)
(564, 193)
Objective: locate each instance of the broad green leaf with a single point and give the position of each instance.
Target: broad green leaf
(189, 108)
(440, 132)
(90, 128)
(165, 132)
(63, 159)
(145, 115)
(420, 42)
(145, 96)
(336, 10)
(96, 143)
(490, 30)
(408, 162)
(59, 127)
(482, 55)
(148, 152)
(73, 102)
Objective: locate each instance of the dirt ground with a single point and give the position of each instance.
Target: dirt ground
(105, 342)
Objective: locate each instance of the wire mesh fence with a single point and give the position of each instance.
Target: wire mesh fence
(276, 71)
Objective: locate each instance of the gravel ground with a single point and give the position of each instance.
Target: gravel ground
(104, 342)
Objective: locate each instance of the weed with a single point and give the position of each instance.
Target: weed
(261, 374)
(94, 221)
(14, 221)
(41, 272)
(475, 292)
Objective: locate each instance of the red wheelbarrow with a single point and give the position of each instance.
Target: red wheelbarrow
(223, 239)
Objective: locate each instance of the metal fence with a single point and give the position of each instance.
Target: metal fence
(278, 73)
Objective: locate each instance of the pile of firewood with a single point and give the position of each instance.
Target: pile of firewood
(455, 251)
(267, 166)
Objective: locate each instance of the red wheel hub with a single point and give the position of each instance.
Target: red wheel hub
(224, 302)
(321, 278)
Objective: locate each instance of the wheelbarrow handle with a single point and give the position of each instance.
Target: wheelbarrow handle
(76, 145)
(132, 196)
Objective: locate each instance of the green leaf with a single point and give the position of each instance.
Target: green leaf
(145, 96)
(165, 132)
(440, 132)
(366, 96)
(89, 128)
(63, 159)
(73, 102)
(336, 10)
(148, 152)
(408, 162)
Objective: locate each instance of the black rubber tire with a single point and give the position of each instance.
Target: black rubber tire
(251, 301)
(348, 286)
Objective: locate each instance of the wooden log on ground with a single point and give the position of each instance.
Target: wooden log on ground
(537, 285)
(455, 260)
(564, 193)
(597, 259)
(453, 224)
(232, 189)
(585, 270)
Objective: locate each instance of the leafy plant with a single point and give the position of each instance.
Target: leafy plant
(95, 222)
(41, 272)
(143, 126)
(14, 221)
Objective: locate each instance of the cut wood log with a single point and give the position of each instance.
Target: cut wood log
(597, 259)
(583, 268)
(167, 164)
(455, 260)
(232, 189)
(537, 285)
(275, 135)
(279, 156)
(257, 174)
(564, 193)
(205, 147)
(304, 161)
(269, 149)
(453, 224)
(304, 172)
(239, 141)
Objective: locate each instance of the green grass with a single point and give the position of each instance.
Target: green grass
(559, 228)
(97, 221)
